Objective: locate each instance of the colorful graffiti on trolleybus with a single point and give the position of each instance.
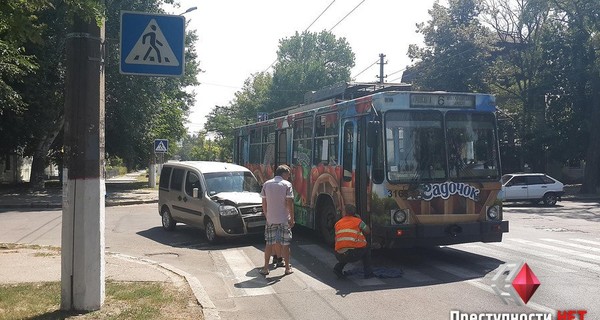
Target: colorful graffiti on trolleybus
(422, 168)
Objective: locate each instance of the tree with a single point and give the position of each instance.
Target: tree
(19, 24)
(140, 109)
(222, 120)
(520, 67)
(583, 19)
(35, 124)
(307, 62)
(456, 52)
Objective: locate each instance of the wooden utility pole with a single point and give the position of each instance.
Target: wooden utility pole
(82, 256)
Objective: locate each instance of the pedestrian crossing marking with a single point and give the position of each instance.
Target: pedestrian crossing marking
(501, 255)
(247, 282)
(250, 283)
(152, 48)
(161, 147)
(558, 249)
(549, 256)
(587, 241)
(328, 259)
(574, 245)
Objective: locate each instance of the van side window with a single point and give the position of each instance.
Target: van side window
(177, 179)
(165, 174)
(192, 181)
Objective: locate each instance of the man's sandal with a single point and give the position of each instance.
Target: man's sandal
(289, 270)
(263, 272)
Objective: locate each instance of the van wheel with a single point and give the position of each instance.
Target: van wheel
(327, 224)
(167, 221)
(210, 232)
(550, 199)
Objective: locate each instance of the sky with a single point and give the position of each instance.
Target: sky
(237, 38)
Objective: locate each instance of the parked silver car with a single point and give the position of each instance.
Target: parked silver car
(223, 199)
(532, 187)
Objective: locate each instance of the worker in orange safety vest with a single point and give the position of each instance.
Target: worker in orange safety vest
(351, 244)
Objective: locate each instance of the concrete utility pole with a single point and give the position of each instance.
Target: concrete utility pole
(381, 63)
(82, 257)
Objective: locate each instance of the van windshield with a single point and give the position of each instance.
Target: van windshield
(237, 181)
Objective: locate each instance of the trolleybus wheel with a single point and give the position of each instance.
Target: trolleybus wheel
(327, 224)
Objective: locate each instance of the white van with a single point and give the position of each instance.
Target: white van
(223, 199)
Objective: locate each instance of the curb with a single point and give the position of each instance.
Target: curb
(209, 309)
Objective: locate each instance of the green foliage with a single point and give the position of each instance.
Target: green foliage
(456, 52)
(307, 62)
(540, 60)
(19, 24)
(141, 109)
(222, 120)
(138, 109)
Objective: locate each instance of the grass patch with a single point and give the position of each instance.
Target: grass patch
(14, 246)
(124, 300)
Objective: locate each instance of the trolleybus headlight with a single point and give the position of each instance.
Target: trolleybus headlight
(493, 212)
(400, 216)
(227, 211)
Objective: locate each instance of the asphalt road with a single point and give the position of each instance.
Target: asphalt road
(561, 245)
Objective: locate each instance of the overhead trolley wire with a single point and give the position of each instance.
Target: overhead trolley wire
(358, 5)
(367, 68)
(322, 12)
(319, 16)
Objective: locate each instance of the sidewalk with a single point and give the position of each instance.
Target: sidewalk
(32, 264)
(25, 263)
(122, 190)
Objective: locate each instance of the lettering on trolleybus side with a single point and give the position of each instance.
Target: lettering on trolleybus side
(438, 190)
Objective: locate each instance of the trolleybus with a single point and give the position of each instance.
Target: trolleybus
(422, 168)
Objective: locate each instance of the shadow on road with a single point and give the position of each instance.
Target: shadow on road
(432, 265)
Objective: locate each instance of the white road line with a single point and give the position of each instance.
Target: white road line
(549, 256)
(250, 282)
(503, 255)
(587, 241)
(574, 245)
(558, 249)
(538, 307)
(328, 259)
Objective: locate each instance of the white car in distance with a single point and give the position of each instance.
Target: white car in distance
(532, 187)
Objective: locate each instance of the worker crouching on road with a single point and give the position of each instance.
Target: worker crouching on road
(351, 244)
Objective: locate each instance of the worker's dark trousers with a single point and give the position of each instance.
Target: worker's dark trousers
(353, 255)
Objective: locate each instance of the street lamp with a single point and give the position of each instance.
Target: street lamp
(190, 9)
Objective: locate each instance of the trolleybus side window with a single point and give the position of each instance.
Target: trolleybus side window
(348, 150)
(303, 131)
(242, 149)
(378, 156)
(255, 143)
(326, 139)
(268, 145)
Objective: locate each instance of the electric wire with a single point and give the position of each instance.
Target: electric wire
(367, 68)
(349, 13)
(322, 12)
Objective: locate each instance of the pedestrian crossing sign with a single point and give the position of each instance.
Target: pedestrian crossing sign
(152, 44)
(161, 145)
